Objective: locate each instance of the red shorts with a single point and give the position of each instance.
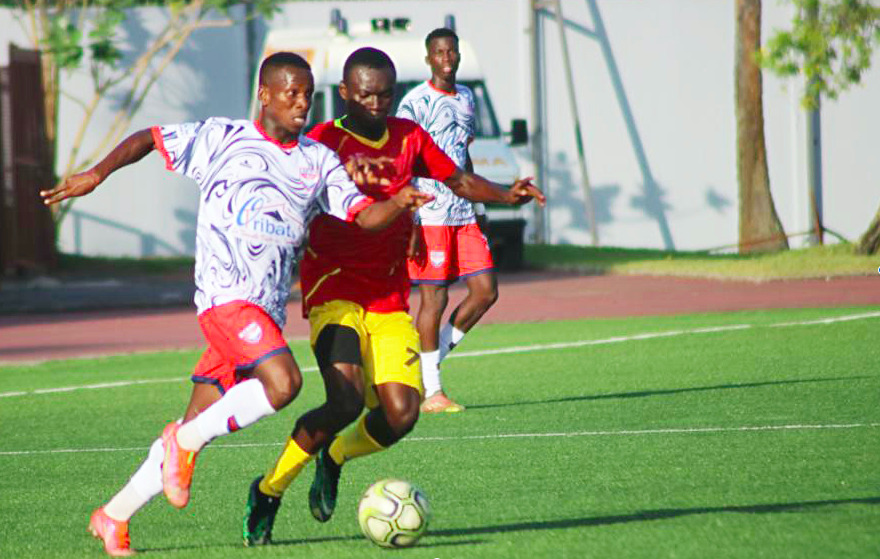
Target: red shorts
(240, 336)
(451, 252)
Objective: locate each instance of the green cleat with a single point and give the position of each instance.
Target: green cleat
(322, 494)
(259, 518)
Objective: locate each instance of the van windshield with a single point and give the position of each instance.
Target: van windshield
(485, 123)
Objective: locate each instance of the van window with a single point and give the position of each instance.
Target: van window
(486, 123)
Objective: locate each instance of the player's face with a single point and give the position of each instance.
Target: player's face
(368, 94)
(287, 97)
(443, 57)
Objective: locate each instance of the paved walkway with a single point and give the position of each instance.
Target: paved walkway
(50, 320)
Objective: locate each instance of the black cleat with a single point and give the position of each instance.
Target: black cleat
(259, 518)
(322, 494)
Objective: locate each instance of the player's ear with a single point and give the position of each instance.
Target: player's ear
(263, 95)
(343, 91)
(428, 59)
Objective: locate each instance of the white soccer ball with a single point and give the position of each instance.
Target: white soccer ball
(393, 513)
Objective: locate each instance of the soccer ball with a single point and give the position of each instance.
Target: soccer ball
(393, 513)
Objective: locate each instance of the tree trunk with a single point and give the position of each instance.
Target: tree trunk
(870, 241)
(759, 227)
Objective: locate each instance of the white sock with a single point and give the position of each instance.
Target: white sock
(145, 484)
(243, 404)
(450, 336)
(431, 371)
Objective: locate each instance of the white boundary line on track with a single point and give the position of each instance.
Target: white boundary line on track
(500, 351)
(500, 436)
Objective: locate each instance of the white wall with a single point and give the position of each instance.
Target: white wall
(675, 59)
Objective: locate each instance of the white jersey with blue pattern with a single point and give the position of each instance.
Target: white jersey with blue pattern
(256, 199)
(449, 119)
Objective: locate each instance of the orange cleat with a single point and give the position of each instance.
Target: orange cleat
(440, 403)
(177, 467)
(114, 534)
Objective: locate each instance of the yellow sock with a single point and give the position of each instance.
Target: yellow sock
(285, 470)
(353, 443)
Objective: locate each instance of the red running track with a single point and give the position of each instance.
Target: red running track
(525, 296)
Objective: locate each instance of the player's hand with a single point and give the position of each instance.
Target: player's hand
(75, 185)
(411, 198)
(367, 171)
(415, 251)
(524, 191)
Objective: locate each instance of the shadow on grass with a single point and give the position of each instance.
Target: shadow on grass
(658, 514)
(641, 516)
(307, 541)
(648, 393)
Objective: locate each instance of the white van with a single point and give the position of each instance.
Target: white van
(326, 50)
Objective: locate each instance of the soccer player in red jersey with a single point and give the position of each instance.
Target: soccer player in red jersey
(355, 291)
(260, 183)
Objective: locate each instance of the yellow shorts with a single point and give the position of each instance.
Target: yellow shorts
(389, 344)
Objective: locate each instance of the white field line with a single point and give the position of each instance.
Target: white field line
(499, 351)
(827, 320)
(501, 436)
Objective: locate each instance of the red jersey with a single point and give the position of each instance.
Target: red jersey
(342, 260)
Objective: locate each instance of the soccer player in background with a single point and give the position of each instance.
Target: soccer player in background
(259, 185)
(355, 291)
(455, 247)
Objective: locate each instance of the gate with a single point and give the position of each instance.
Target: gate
(27, 231)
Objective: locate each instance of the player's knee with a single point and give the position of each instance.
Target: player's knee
(434, 300)
(402, 416)
(486, 298)
(282, 384)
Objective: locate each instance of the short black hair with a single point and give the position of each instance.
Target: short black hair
(440, 33)
(368, 57)
(279, 60)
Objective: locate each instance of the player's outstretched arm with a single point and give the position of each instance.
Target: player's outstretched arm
(379, 215)
(128, 151)
(477, 189)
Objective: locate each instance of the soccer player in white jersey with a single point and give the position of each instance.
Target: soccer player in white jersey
(259, 184)
(454, 246)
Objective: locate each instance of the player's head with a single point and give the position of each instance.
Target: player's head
(443, 55)
(285, 92)
(368, 80)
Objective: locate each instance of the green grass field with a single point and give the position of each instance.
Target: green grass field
(751, 434)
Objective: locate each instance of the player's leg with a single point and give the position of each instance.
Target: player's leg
(110, 522)
(434, 299)
(337, 335)
(475, 266)
(393, 392)
(248, 337)
(433, 274)
(261, 508)
(482, 293)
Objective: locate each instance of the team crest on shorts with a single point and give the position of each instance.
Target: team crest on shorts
(252, 333)
(438, 257)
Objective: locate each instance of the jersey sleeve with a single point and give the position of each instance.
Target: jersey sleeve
(406, 109)
(470, 123)
(432, 162)
(340, 196)
(182, 144)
